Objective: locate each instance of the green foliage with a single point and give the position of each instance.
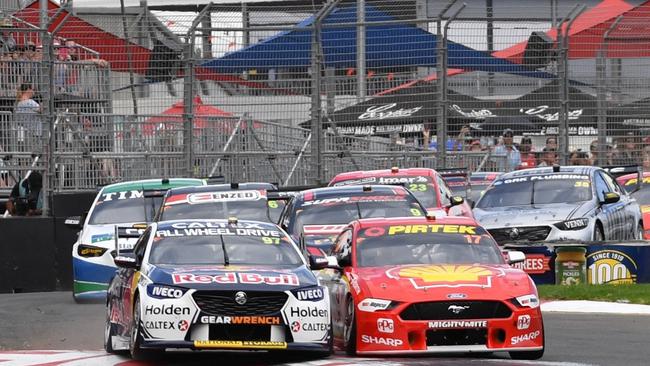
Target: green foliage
(634, 293)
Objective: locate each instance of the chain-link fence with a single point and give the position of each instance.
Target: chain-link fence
(298, 93)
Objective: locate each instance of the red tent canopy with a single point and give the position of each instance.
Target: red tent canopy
(111, 47)
(586, 33)
(206, 117)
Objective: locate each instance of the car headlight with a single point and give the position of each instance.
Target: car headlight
(575, 224)
(526, 301)
(89, 251)
(371, 305)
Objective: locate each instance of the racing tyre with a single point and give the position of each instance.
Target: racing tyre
(598, 234)
(109, 330)
(135, 339)
(527, 355)
(350, 330)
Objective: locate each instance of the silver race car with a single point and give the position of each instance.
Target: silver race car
(556, 203)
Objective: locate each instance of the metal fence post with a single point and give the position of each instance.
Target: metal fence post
(188, 108)
(361, 51)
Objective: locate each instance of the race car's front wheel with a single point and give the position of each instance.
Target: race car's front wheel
(527, 355)
(350, 330)
(109, 331)
(135, 339)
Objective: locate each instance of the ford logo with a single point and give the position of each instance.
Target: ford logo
(240, 298)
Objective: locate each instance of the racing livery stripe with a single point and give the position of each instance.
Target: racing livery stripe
(92, 272)
(80, 286)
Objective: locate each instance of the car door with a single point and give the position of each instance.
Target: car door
(610, 214)
(624, 211)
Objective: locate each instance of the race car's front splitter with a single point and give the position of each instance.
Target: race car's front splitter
(450, 349)
(235, 345)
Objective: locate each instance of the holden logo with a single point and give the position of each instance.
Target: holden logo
(514, 233)
(240, 298)
(457, 309)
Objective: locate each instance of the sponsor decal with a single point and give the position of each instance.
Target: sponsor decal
(354, 283)
(228, 196)
(355, 199)
(183, 325)
(252, 320)
(366, 130)
(166, 310)
(322, 229)
(422, 277)
(549, 117)
(101, 237)
(219, 232)
(477, 114)
(393, 342)
(159, 325)
(534, 264)
(164, 292)
(240, 344)
(297, 326)
(532, 178)
(285, 279)
(523, 322)
(372, 305)
(432, 228)
(385, 325)
(387, 111)
(525, 337)
(312, 294)
(123, 195)
(632, 181)
(612, 267)
(354, 182)
(456, 296)
(308, 311)
(403, 179)
(444, 324)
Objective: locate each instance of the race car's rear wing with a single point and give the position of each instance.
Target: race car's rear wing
(620, 170)
(316, 240)
(457, 177)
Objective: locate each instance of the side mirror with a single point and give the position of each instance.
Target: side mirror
(515, 256)
(456, 200)
(611, 197)
(126, 260)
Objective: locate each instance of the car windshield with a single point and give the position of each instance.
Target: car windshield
(421, 186)
(241, 250)
(537, 190)
(244, 205)
(440, 244)
(124, 207)
(342, 210)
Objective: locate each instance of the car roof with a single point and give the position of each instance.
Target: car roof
(152, 184)
(351, 190)
(420, 220)
(224, 187)
(383, 173)
(577, 169)
(168, 224)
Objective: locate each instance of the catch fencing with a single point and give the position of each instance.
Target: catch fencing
(299, 93)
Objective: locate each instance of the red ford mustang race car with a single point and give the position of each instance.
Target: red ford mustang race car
(640, 192)
(416, 285)
(426, 184)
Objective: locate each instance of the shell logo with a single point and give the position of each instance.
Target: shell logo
(445, 275)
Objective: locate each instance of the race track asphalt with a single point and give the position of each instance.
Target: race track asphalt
(52, 321)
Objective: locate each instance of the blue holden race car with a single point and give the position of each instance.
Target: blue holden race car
(216, 284)
(131, 203)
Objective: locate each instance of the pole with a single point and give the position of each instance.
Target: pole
(43, 18)
(489, 9)
(129, 58)
(601, 72)
(361, 51)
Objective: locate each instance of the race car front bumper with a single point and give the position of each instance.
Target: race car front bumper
(384, 332)
(235, 345)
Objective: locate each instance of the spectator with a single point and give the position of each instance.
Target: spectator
(628, 150)
(26, 198)
(551, 143)
(475, 145)
(528, 159)
(593, 150)
(579, 157)
(549, 157)
(509, 150)
(27, 119)
(646, 158)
